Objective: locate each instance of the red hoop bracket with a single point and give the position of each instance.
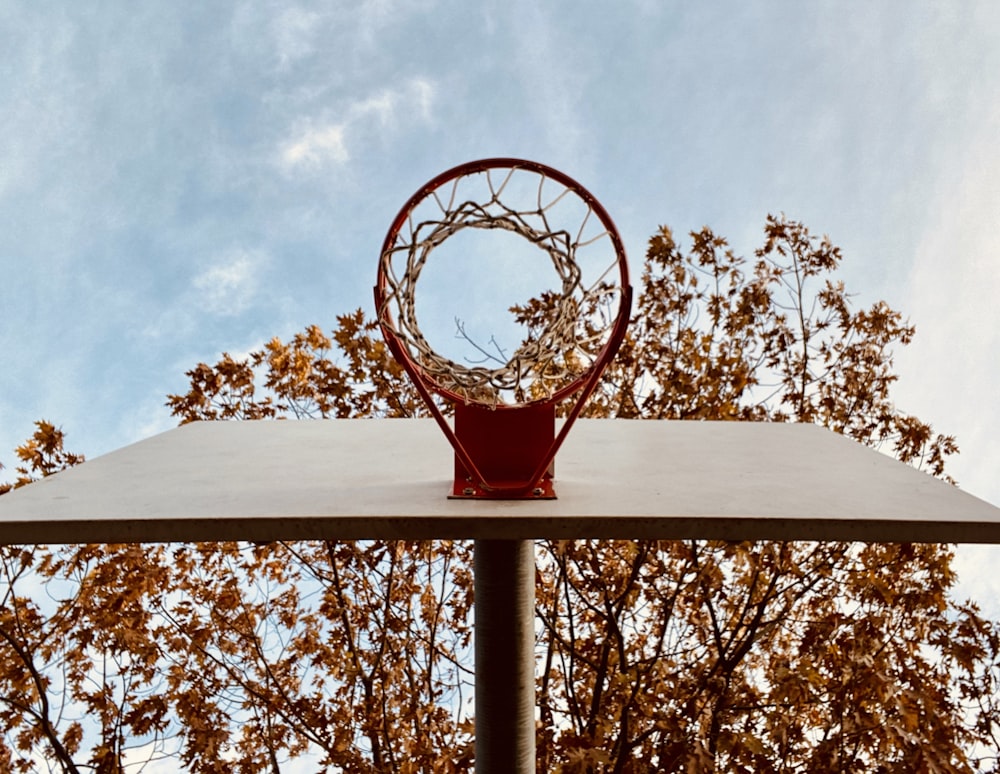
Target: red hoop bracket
(502, 451)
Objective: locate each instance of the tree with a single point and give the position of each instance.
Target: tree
(653, 656)
(42, 455)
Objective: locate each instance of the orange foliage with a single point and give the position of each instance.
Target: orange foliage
(652, 656)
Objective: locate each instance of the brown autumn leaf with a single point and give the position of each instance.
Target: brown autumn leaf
(665, 656)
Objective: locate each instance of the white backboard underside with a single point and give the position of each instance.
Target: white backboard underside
(346, 479)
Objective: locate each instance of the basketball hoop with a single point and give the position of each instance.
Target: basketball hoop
(504, 436)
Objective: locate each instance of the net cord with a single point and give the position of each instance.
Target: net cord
(539, 365)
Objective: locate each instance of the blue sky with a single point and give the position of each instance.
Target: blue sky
(180, 179)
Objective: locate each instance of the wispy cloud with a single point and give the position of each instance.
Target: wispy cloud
(553, 77)
(315, 147)
(294, 31)
(228, 286)
(318, 143)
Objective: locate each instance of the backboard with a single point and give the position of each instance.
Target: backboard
(357, 478)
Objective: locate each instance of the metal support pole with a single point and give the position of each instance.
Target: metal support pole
(505, 656)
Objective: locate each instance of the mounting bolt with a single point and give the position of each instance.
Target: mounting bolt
(468, 491)
(537, 491)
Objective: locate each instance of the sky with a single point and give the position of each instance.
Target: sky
(183, 179)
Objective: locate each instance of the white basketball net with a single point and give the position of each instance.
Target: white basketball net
(578, 317)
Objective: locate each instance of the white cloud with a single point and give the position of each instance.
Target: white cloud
(415, 97)
(422, 92)
(318, 144)
(554, 78)
(382, 107)
(227, 287)
(374, 18)
(294, 30)
(224, 289)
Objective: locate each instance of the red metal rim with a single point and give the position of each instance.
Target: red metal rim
(387, 324)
